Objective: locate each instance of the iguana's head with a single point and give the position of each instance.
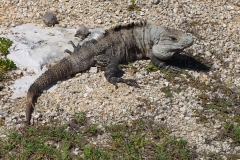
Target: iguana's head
(169, 42)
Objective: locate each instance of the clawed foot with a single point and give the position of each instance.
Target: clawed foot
(68, 51)
(75, 48)
(131, 82)
(173, 68)
(71, 42)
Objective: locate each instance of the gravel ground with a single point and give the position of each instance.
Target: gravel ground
(216, 29)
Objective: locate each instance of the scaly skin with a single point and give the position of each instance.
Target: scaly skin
(120, 44)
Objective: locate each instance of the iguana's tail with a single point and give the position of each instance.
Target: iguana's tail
(53, 74)
(29, 107)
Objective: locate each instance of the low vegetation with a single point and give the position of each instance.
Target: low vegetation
(4, 45)
(233, 130)
(5, 64)
(133, 6)
(151, 67)
(142, 139)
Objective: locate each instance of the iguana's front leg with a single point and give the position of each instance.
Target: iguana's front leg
(162, 64)
(111, 70)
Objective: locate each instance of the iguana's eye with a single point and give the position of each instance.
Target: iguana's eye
(172, 38)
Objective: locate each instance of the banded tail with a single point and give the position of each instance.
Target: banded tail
(56, 72)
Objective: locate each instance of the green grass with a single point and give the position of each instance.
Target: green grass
(151, 67)
(140, 140)
(225, 108)
(167, 91)
(233, 130)
(133, 6)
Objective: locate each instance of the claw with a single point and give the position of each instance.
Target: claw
(75, 48)
(71, 42)
(78, 45)
(68, 51)
(131, 82)
(173, 68)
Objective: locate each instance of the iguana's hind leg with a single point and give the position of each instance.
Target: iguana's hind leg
(112, 69)
(162, 64)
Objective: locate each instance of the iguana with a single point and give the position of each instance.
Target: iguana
(121, 44)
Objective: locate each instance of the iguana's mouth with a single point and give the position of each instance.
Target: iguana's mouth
(164, 52)
(171, 48)
(176, 50)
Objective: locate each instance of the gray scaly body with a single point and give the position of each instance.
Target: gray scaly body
(120, 44)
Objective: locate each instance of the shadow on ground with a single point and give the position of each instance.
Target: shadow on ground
(184, 61)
